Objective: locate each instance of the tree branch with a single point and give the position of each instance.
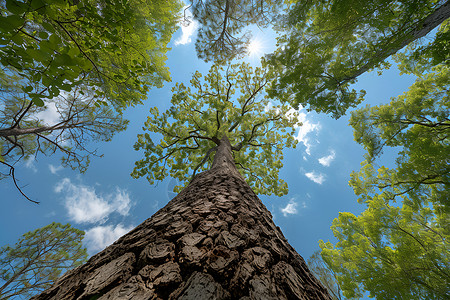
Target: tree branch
(12, 174)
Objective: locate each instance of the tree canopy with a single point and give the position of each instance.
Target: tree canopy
(398, 247)
(227, 101)
(69, 68)
(220, 36)
(117, 48)
(38, 259)
(326, 45)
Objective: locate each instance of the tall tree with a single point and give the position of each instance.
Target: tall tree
(214, 240)
(398, 247)
(326, 45)
(220, 36)
(38, 259)
(230, 101)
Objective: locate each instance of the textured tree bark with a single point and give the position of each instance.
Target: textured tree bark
(214, 240)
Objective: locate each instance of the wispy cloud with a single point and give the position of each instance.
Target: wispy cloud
(304, 131)
(29, 163)
(316, 177)
(326, 160)
(305, 126)
(50, 114)
(293, 207)
(308, 127)
(84, 205)
(54, 169)
(99, 237)
(290, 208)
(187, 29)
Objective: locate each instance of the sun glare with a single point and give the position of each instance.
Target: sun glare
(255, 48)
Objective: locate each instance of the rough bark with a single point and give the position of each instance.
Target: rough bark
(214, 240)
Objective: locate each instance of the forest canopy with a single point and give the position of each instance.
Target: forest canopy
(87, 61)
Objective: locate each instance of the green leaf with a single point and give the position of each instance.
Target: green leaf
(48, 26)
(11, 22)
(54, 40)
(38, 101)
(16, 7)
(43, 35)
(28, 89)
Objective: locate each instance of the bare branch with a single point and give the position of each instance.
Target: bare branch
(12, 174)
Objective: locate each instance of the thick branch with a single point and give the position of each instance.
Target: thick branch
(15, 131)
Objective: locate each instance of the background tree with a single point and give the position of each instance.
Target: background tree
(326, 45)
(66, 124)
(399, 246)
(229, 102)
(391, 250)
(81, 62)
(38, 259)
(325, 275)
(220, 36)
(115, 47)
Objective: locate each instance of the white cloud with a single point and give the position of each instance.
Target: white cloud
(268, 106)
(50, 114)
(290, 209)
(85, 206)
(188, 30)
(293, 114)
(316, 177)
(305, 126)
(326, 160)
(293, 207)
(54, 169)
(304, 131)
(99, 237)
(30, 163)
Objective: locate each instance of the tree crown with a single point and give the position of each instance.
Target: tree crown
(38, 259)
(228, 101)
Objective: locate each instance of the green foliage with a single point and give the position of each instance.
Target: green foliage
(326, 45)
(399, 246)
(418, 122)
(83, 61)
(38, 259)
(392, 251)
(115, 47)
(222, 21)
(418, 59)
(226, 102)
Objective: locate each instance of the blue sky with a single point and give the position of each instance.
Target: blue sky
(106, 202)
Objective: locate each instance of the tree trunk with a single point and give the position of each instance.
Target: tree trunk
(412, 33)
(214, 240)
